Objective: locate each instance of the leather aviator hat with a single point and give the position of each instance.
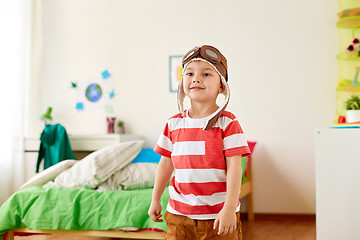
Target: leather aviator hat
(214, 58)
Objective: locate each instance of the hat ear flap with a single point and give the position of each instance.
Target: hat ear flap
(216, 115)
(181, 97)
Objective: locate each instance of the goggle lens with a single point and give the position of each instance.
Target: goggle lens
(211, 53)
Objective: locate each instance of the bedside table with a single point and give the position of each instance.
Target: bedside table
(337, 183)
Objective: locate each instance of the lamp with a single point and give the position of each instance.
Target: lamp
(46, 117)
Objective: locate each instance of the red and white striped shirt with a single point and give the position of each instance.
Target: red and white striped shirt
(198, 189)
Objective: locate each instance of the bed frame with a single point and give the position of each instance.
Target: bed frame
(246, 191)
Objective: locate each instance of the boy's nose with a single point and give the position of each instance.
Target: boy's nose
(196, 81)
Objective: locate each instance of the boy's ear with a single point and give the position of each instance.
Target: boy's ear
(222, 88)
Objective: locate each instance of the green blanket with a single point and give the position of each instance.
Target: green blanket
(79, 209)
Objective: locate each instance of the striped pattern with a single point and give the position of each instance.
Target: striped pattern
(198, 189)
(133, 176)
(49, 174)
(95, 168)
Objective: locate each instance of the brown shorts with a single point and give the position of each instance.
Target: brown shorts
(184, 228)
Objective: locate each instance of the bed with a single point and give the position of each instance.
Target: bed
(83, 211)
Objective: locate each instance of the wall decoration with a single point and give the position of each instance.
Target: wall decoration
(175, 71)
(105, 74)
(108, 109)
(112, 94)
(79, 106)
(95, 93)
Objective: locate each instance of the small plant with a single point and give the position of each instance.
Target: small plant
(120, 124)
(353, 103)
(121, 129)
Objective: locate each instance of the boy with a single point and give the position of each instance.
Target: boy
(204, 145)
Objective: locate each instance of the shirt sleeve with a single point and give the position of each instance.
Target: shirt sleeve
(164, 145)
(235, 141)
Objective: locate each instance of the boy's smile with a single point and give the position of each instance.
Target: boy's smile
(197, 88)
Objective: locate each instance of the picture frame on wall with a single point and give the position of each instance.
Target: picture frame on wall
(175, 71)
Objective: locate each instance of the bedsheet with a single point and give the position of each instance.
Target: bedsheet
(82, 209)
(79, 209)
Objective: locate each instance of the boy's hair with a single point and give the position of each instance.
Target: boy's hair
(214, 58)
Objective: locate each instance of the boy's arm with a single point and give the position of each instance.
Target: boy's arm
(226, 219)
(233, 181)
(163, 174)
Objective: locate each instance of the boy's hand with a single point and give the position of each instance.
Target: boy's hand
(155, 212)
(225, 222)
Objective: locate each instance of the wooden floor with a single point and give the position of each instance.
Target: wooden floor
(263, 228)
(283, 228)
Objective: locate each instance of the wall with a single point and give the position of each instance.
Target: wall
(282, 75)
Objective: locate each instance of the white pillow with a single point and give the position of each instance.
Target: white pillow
(95, 168)
(49, 173)
(133, 176)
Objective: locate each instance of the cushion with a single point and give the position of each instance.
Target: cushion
(251, 145)
(97, 167)
(133, 176)
(49, 174)
(147, 155)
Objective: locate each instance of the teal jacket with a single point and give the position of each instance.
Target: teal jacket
(54, 146)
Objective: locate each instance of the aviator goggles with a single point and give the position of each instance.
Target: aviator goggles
(210, 54)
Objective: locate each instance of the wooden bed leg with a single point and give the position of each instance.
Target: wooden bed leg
(250, 207)
(250, 200)
(10, 235)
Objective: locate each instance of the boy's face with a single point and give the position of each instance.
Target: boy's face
(201, 82)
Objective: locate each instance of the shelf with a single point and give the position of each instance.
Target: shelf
(348, 56)
(346, 85)
(85, 142)
(348, 22)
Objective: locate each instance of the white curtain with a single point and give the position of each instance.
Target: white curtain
(15, 48)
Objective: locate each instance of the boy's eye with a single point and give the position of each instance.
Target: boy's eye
(207, 74)
(189, 74)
